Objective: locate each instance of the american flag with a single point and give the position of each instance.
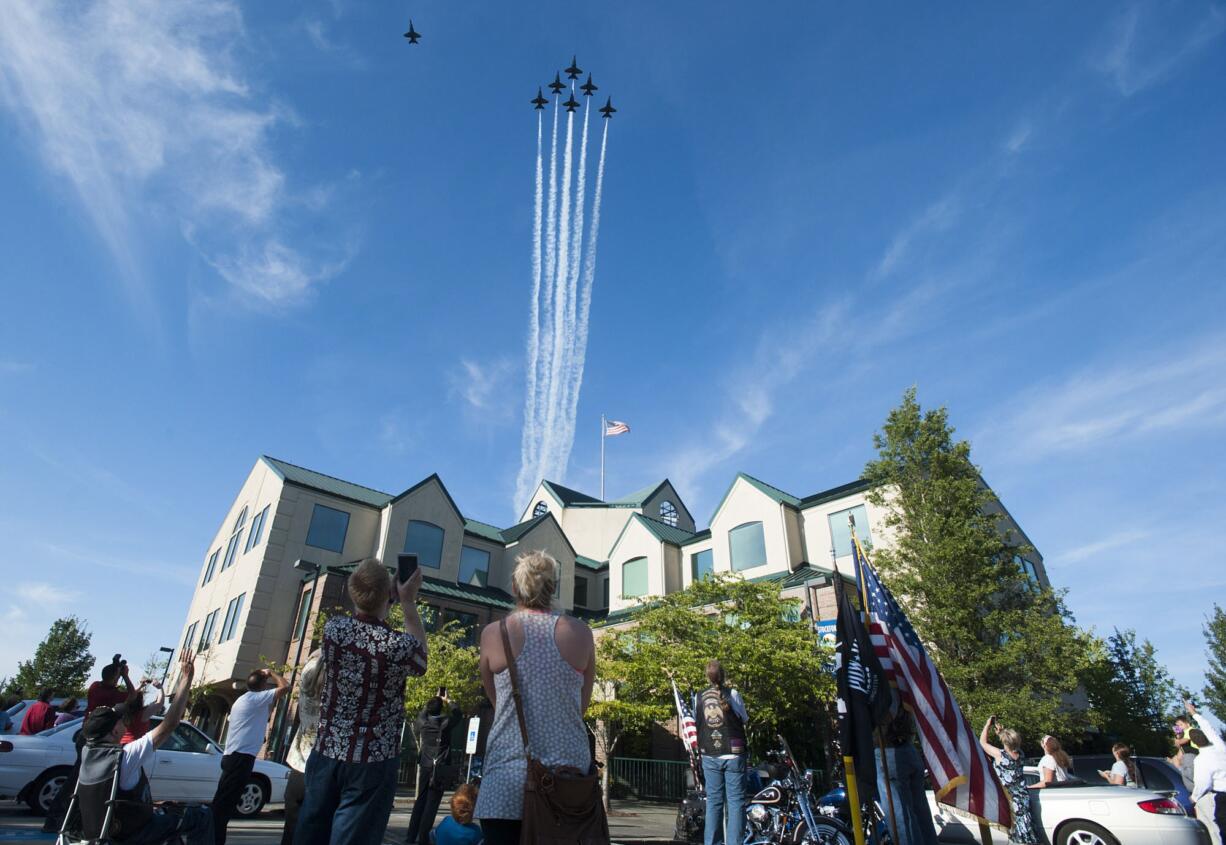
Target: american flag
(961, 772)
(685, 721)
(612, 428)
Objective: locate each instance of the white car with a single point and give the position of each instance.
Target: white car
(1079, 813)
(186, 769)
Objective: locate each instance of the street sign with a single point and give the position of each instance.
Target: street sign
(474, 727)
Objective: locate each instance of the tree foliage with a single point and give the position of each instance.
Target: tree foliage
(771, 656)
(1005, 645)
(1215, 650)
(61, 662)
(1131, 694)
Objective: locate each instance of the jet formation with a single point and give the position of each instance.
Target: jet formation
(558, 86)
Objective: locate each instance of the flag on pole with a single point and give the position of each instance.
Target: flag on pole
(685, 720)
(864, 696)
(961, 774)
(612, 428)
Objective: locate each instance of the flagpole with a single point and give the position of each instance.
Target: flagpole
(603, 426)
(849, 763)
(858, 559)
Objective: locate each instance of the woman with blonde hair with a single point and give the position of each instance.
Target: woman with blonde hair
(459, 828)
(1055, 763)
(555, 663)
(1007, 762)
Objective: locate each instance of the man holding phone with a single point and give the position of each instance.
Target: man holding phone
(351, 775)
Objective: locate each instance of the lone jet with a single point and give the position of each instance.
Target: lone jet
(557, 85)
(574, 70)
(570, 104)
(538, 100)
(413, 35)
(587, 88)
(607, 111)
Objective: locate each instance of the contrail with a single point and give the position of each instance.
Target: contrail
(576, 237)
(551, 224)
(530, 439)
(589, 277)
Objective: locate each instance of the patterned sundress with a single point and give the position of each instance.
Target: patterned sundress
(1013, 778)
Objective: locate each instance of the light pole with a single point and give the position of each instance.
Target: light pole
(169, 652)
(280, 724)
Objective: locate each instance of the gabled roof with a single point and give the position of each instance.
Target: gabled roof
(512, 534)
(483, 530)
(773, 492)
(313, 480)
(664, 531)
(698, 537)
(637, 498)
(431, 477)
(857, 486)
(569, 497)
(589, 563)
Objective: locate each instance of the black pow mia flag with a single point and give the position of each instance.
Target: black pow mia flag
(864, 695)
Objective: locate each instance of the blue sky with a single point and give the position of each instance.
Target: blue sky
(277, 228)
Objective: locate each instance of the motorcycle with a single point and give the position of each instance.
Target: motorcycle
(781, 812)
(835, 809)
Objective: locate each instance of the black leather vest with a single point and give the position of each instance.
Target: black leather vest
(720, 730)
(99, 770)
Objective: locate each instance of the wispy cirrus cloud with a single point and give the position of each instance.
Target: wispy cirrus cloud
(1144, 45)
(485, 388)
(1089, 551)
(143, 106)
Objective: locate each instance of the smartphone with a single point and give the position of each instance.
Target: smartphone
(406, 565)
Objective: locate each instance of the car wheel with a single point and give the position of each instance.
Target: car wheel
(1085, 833)
(252, 799)
(44, 791)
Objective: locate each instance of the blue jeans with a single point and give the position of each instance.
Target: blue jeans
(346, 803)
(725, 779)
(907, 786)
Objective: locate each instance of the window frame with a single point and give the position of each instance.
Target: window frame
(206, 632)
(210, 568)
(694, 576)
(234, 610)
(579, 581)
(311, 525)
(304, 612)
(732, 562)
(540, 509)
(256, 535)
(190, 636)
(861, 527)
(646, 577)
(484, 582)
(671, 517)
(442, 542)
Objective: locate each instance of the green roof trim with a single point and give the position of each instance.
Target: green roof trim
(637, 498)
(303, 477)
(483, 530)
(589, 563)
(488, 596)
(857, 486)
(515, 532)
(664, 531)
(698, 537)
(775, 493)
(569, 497)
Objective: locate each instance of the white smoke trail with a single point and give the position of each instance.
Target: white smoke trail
(576, 237)
(530, 435)
(551, 247)
(585, 297)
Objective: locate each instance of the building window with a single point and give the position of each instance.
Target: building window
(328, 529)
(235, 539)
(190, 637)
(604, 592)
(425, 539)
(256, 534)
(211, 568)
(702, 564)
(1029, 571)
(668, 513)
(474, 566)
(540, 510)
(580, 591)
(466, 622)
(304, 612)
(634, 578)
(206, 634)
(230, 626)
(747, 546)
(840, 531)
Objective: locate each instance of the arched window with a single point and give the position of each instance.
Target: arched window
(634, 578)
(668, 513)
(747, 546)
(425, 539)
(540, 510)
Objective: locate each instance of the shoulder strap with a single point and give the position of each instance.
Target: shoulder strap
(519, 704)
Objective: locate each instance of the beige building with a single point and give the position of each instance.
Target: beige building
(291, 535)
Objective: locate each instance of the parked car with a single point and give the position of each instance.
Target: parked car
(1079, 813)
(186, 768)
(18, 712)
(1153, 773)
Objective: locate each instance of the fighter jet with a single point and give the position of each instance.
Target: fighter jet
(413, 35)
(587, 88)
(574, 70)
(607, 111)
(557, 85)
(570, 104)
(538, 100)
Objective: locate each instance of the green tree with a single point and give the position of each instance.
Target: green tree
(61, 662)
(769, 654)
(614, 712)
(1215, 650)
(1132, 695)
(1005, 645)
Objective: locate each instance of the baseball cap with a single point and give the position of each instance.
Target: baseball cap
(103, 720)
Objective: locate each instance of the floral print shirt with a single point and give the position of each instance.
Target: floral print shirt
(362, 700)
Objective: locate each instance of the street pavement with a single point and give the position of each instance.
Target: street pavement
(638, 822)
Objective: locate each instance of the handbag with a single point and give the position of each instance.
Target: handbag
(562, 806)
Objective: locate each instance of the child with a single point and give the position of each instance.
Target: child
(459, 828)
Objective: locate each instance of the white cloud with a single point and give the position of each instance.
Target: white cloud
(485, 388)
(1117, 401)
(1092, 550)
(142, 106)
(1018, 138)
(937, 217)
(15, 368)
(46, 596)
(1139, 54)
